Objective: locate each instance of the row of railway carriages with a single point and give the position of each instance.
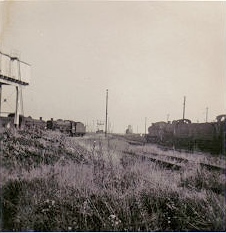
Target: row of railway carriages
(209, 136)
(68, 127)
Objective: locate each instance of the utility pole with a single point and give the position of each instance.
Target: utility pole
(17, 113)
(167, 119)
(106, 119)
(109, 125)
(206, 114)
(0, 99)
(145, 127)
(184, 107)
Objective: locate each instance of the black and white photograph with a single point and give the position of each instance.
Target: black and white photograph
(112, 116)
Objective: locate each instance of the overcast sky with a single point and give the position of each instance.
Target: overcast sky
(148, 54)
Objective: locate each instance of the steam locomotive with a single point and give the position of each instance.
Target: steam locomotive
(209, 136)
(71, 128)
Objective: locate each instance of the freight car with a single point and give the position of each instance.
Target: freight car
(30, 123)
(69, 127)
(192, 136)
(6, 122)
(24, 122)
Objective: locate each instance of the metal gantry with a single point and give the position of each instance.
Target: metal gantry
(13, 72)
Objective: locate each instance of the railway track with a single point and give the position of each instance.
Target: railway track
(166, 161)
(213, 168)
(172, 162)
(160, 162)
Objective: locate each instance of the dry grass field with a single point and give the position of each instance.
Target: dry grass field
(50, 182)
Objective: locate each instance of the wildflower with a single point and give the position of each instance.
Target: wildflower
(45, 210)
(115, 221)
(94, 144)
(17, 220)
(86, 208)
(47, 201)
(112, 216)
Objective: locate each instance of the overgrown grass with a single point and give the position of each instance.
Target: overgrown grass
(93, 186)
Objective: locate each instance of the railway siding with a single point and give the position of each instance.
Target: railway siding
(173, 162)
(213, 167)
(177, 161)
(162, 163)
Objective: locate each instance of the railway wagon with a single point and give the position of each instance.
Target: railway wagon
(206, 136)
(199, 136)
(30, 123)
(6, 122)
(185, 134)
(24, 122)
(69, 127)
(80, 128)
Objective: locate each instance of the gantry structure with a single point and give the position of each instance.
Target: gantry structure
(16, 73)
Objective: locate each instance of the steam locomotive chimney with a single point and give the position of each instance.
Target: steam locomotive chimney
(40, 118)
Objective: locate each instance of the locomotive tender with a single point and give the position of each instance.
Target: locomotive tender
(209, 136)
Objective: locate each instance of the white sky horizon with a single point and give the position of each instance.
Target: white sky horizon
(149, 55)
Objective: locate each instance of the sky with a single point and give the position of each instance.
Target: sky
(148, 54)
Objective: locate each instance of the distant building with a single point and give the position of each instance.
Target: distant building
(129, 130)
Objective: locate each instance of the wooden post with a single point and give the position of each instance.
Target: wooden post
(0, 99)
(184, 107)
(106, 119)
(206, 114)
(17, 112)
(145, 127)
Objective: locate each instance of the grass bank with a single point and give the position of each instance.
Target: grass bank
(53, 183)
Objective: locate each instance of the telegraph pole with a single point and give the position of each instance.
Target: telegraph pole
(0, 99)
(109, 125)
(167, 119)
(206, 114)
(184, 107)
(145, 127)
(106, 119)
